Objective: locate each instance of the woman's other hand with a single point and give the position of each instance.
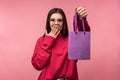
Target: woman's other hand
(81, 12)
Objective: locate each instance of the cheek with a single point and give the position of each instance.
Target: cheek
(61, 24)
(51, 24)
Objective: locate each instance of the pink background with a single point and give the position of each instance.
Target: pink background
(23, 21)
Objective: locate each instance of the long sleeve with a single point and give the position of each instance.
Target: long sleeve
(42, 52)
(79, 25)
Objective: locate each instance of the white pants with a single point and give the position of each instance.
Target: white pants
(61, 79)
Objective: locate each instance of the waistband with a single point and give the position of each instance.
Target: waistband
(61, 79)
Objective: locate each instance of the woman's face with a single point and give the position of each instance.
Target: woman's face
(56, 20)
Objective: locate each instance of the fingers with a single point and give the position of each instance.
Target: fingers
(55, 30)
(81, 12)
(57, 33)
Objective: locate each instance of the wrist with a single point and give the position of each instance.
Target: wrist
(51, 35)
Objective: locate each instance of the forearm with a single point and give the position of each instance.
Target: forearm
(80, 25)
(42, 52)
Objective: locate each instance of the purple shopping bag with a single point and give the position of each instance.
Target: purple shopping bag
(79, 43)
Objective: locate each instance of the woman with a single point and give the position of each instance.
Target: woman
(51, 50)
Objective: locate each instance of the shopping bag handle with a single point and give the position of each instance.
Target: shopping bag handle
(75, 23)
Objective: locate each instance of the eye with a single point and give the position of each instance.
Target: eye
(59, 20)
(52, 20)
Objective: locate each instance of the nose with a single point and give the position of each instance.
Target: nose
(56, 22)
